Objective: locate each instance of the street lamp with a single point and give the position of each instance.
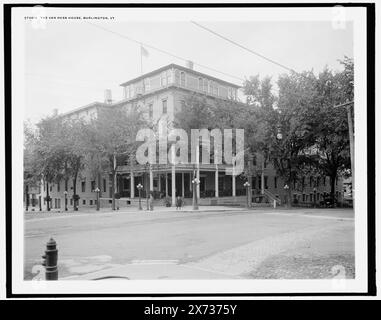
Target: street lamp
(140, 187)
(97, 191)
(195, 182)
(65, 193)
(146, 170)
(247, 186)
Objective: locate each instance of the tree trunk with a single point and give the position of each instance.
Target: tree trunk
(289, 197)
(26, 197)
(47, 197)
(332, 181)
(113, 189)
(75, 207)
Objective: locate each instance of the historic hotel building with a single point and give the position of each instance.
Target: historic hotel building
(161, 93)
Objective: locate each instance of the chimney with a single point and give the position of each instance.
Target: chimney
(189, 64)
(108, 97)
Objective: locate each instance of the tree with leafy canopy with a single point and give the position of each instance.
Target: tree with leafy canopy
(283, 123)
(331, 132)
(43, 155)
(72, 132)
(112, 135)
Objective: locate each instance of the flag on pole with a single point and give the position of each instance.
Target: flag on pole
(144, 52)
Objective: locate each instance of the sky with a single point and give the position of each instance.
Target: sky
(69, 64)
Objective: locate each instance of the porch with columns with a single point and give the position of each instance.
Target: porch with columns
(171, 181)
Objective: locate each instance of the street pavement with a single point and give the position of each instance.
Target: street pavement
(215, 242)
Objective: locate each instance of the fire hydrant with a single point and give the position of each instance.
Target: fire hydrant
(50, 260)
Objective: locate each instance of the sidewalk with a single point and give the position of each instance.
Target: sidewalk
(150, 270)
(37, 215)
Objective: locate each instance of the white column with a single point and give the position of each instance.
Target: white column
(150, 178)
(166, 184)
(233, 184)
(173, 185)
(132, 185)
(198, 169)
(216, 182)
(182, 185)
(173, 175)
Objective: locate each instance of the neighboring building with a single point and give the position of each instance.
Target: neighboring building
(31, 197)
(161, 93)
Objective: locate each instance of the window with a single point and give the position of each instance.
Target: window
(165, 106)
(58, 187)
(147, 84)
(150, 110)
(311, 179)
(177, 77)
(55, 203)
(92, 185)
(126, 185)
(259, 182)
(317, 181)
(104, 185)
(51, 188)
(163, 79)
(254, 161)
(59, 203)
(266, 185)
(83, 201)
(169, 77)
(83, 186)
(304, 197)
(254, 182)
(91, 202)
(71, 201)
(205, 85)
(200, 84)
(324, 181)
(275, 182)
(182, 79)
(213, 88)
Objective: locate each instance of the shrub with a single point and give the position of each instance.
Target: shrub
(167, 201)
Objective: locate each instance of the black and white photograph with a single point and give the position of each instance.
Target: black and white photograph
(181, 150)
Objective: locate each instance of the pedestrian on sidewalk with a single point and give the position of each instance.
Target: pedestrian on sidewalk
(179, 203)
(151, 201)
